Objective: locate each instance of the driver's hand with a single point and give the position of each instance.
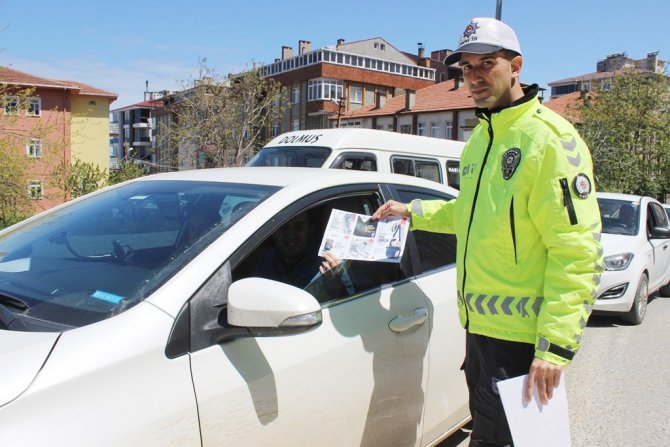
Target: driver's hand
(329, 262)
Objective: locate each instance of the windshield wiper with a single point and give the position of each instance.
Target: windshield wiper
(9, 319)
(13, 301)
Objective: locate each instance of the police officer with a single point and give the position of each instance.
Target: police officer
(528, 230)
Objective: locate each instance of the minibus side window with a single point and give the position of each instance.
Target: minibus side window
(358, 161)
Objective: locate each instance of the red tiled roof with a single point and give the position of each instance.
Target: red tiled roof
(592, 76)
(433, 98)
(85, 89)
(16, 77)
(568, 105)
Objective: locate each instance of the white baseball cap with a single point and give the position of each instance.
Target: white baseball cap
(484, 35)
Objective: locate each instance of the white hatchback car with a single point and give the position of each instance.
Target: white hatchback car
(116, 315)
(636, 245)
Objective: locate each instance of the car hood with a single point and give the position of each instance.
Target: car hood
(22, 355)
(614, 244)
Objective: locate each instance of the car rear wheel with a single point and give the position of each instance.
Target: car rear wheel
(639, 308)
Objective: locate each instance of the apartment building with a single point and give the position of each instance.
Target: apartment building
(606, 69)
(340, 78)
(444, 110)
(136, 126)
(62, 119)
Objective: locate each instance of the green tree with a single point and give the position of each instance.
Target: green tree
(127, 171)
(78, 178)
(15, 202)
(627, 128)
(219, 121)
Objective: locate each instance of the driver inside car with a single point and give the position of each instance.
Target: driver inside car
(293, 259)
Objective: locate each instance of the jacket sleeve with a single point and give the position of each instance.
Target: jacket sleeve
(564, 209)
(432, 215)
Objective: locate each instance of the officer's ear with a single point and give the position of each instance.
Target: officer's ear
(517, 63)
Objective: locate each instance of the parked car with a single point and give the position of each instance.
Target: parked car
(666, 207)
(135, 316)
(636, 245)
(434, 159)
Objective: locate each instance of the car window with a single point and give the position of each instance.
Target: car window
(100, 256)
(300, 156)
(417, 167)
(290, 254)
(435, 250)
(619, 216)
(453, 174)
(358, 161)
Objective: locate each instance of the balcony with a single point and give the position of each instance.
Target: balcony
(142, 141)
(140, 125)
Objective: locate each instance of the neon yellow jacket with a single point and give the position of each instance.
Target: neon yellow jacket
(528, 230)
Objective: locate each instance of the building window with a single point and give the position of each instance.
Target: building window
(34, 106)
(586, 86)
(421, 129)
(295, 125)
(320, 89)
(11, 105)
(351, 124)
(435, 130)
(405, 128)
(35, 189)
(34, 148)
(296, 95)
(356, 95)
(448, 127)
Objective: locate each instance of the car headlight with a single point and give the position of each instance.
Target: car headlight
(618, 262)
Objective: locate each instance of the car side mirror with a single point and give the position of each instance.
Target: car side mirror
(269, 307)
(660, 233)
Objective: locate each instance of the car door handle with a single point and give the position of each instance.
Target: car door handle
(401, 323)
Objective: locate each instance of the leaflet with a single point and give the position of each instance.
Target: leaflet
(356, 236)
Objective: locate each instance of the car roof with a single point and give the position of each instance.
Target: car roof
(371, 139)
(284, 177)
(620, 196)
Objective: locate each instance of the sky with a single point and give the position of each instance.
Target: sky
(119, 45)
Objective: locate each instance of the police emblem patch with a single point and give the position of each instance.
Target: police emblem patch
(510, 160)
(581, 185)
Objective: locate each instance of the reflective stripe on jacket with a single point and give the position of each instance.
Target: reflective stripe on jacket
(528, 230)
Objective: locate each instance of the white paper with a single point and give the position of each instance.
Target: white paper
(356, 236)
(533, 424)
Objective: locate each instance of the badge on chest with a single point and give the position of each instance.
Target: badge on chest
(510, 161)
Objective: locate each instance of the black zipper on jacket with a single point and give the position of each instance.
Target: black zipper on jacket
(472, 214)
(511, 224)
(567, 201)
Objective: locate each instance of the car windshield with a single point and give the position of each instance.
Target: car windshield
(294, 156)
(619, 216)
(93, 259)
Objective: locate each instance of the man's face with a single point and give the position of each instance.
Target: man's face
(292, 239)
(490, 78)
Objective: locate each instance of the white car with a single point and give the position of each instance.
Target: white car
(636, 245)
(128, 319)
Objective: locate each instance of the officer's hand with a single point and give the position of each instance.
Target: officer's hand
(391, 208)
(329, 261)
(547, 376)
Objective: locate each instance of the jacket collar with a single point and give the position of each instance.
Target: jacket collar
(530, 94)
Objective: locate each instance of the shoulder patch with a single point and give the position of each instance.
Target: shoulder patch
(581, 185)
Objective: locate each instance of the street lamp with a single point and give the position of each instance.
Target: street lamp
(339, 103)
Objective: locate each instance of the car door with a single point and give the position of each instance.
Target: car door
(660, 270)
(446, 391)
(351, 381)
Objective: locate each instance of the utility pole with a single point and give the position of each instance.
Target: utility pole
(498, 9)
